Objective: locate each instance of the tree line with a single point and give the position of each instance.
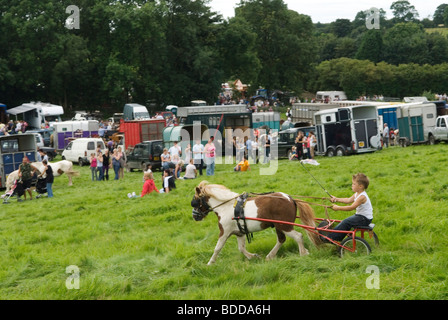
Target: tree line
(173, 51)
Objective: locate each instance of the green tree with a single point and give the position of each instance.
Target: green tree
(403, 11)
(284, 44)
(371, 46)
(439, 14)
(406, 43)
(236, 45)
(341, 27)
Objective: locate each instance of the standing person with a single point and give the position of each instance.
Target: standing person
(122, 159)
(360, 202)
(386, 135)
(26, 172)
(198, 155)
(175, 150)
(188, 153)
(209, 151)
(116, 164)
(255, 150)
(43, 155)
(93, 165)
(313, 143)
(267, 148)
(249, 148)
(48, 170)
(99, 166)
(299, 145)
(106, 165)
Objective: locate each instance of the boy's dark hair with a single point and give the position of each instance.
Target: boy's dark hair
(362, 179)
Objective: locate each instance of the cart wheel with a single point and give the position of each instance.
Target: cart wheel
(362, 247)
(375, 238)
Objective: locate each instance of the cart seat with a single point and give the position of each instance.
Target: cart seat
(369, 227)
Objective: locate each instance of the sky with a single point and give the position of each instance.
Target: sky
(326, 11)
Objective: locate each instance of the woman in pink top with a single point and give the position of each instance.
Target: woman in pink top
(93, 163)
(209, 151)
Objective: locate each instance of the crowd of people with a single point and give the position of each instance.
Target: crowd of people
(13, 127)
(304, 146)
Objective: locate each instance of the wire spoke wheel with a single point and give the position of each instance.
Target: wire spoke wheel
(360, 245)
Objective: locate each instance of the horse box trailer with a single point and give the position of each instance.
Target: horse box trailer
(416, 123)
(66, 131)
(348, 130)
(37, 113)
(141, 130)
(12, 150)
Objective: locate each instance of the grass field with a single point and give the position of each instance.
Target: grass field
(151, 248)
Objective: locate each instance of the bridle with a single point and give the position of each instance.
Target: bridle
(201, 208)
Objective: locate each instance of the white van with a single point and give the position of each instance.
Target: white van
(79, 150)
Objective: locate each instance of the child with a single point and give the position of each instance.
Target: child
(168, 182)
(148, 187)
(359, 201)
(242, 166)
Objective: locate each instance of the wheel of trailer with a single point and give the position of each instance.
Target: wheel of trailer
(362, 247)
(340, 152)
(330, 152)
(431, 140)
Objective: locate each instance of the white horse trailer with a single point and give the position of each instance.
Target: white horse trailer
(348, 130)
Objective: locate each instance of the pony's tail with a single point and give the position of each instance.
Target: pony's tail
(307, 217)
(72, 173)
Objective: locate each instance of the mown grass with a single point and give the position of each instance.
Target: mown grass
(151, 248)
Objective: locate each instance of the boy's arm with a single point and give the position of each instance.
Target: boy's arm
(356, 204)
(343, 200)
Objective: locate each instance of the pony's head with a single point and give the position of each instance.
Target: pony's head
(200, 205)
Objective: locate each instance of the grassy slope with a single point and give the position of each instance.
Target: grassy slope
(152, 249)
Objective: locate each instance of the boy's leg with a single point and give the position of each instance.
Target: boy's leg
(347, 225)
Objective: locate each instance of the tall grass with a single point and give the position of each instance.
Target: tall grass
(151, 248)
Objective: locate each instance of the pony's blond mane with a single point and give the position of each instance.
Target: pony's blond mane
(216, 191)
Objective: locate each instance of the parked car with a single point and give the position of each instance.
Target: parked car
(147, 152)
(79, 150)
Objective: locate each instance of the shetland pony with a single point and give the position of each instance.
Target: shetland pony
(273, 206)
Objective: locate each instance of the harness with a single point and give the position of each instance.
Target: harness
(238, 206)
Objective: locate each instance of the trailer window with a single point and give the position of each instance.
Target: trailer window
(430, 116)
(10, 145)
(343, 115)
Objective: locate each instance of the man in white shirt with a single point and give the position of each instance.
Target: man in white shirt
(175, 150)
(198, 156)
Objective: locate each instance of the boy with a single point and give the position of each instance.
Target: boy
(359, 201)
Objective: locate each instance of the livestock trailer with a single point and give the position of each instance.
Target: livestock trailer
(270, 119)
(416, 123)
(13, 148)
(138, 131)
(66, 131)
(348, 130)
